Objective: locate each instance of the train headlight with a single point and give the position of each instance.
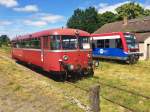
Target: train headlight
(65, 57)
(89, 55)
(71, 67)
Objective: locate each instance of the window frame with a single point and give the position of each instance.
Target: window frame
(55, 46)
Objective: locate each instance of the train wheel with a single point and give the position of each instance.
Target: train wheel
(131, 60)
(75, 77)
(91, 73)
(63, 76)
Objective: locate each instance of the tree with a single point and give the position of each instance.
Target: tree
(76, 20)
(147, 12)
(107, 17)
(84, 19)
(4, 40)
(89, 19)
(91, 22)
(131, 10)
(0, 44)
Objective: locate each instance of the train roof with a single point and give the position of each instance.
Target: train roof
(60, 31)
(111, 33)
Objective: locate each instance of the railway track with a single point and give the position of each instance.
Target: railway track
(114, 87)
(127, 91)
(111, 86)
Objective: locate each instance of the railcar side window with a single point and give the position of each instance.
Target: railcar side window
(22, 44)
(106, 43)
(14, 45)
(18, 45)
(100, 43)
(55, 42)
(35, 43)
(30, 43)
(103, 43)
(112, 43)
(27, 44)
(118, 43)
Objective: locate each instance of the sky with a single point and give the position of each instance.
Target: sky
(19, 17)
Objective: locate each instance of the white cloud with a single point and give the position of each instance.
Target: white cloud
(28, 8)
(103, 7)
(5, 23)
(52, 18)
(43, 19)
(9, 3)
(35, 23)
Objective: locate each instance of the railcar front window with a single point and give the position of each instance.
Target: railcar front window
(131, 41)
(69, 42)
(84, 42)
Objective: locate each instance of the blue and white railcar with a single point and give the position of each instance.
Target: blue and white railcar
(117, 45)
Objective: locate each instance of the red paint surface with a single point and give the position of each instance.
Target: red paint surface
(65, 31)
(50, 60)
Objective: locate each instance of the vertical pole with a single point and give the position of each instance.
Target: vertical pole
(94, 98)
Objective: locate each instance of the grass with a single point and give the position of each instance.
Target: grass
(6, 51)
(134, 78)
(29, 86)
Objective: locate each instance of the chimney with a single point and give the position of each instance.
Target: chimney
(125, 20)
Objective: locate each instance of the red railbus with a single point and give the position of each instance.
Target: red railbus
(65, 52)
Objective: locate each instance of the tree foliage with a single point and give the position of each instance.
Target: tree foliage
(107, 17)
(147, 12)
(76, 21)
(130, 10)
(4, 40)
(84, 19)
(89, 19)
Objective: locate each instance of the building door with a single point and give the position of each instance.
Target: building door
(148, 51)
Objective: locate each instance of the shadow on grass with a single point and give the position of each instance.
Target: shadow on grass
(111, 61)
(50, 75)
(39, 71)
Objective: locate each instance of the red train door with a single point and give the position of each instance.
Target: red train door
(44, 53)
